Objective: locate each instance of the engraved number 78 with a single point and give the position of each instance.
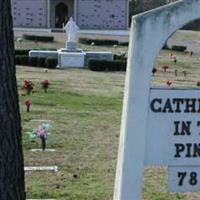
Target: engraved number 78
(192, 181)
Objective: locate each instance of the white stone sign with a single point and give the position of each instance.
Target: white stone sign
(71, 59)
(173, 136)
(149, 32)
(173, 130)
(184, 179)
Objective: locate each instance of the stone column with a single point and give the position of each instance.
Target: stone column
(48, 13)
(127, 15)
(75, 10)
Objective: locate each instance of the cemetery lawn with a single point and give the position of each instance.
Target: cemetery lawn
(85, 107)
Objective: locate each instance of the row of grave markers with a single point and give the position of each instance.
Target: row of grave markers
(48, 125)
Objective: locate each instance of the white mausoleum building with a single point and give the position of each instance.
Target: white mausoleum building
(88, 14)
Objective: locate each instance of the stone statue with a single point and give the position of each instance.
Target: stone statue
(71, 30)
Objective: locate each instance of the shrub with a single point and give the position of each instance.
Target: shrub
(105, 65)
(165, 47)
(24, 60)
(17, 60)
(51, 63)
(97, 41)
(41, 38)
(24, 52)
(123, 43)
(96, 65)
(179, 48)
(41, 62)
(33, 61)
(121, 56)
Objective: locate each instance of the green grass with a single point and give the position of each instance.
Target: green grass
(84, 111)
(85, 107)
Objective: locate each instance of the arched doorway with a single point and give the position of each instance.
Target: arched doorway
(61, 15)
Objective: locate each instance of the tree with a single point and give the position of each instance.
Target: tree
(12, 185)
(138, 6)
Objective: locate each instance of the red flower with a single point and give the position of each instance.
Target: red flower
(169, 83)
(198, 83)
(28, 86)
(28, 104)
(45, 85)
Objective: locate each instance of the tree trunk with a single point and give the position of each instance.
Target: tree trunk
(12, 185)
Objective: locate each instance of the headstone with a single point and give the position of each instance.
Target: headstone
(43, 54)
(71, 59)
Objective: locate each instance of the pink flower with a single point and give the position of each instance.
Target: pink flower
(42, 132)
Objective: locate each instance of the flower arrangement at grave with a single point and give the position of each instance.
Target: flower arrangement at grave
(41, 133)
(165, 67)
(28, 104)
(169, 83)
(45, 85)
(154, 70)
(173, 57)
(198, 83)
(28, 86)
(184, 73)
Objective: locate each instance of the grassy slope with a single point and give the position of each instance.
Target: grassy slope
(86, 109)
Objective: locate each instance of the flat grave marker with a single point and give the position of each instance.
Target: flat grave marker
(41, 199)
(42, 168)
(40, 150)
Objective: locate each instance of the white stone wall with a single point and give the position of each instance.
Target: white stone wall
(102, 14)
(29, 13)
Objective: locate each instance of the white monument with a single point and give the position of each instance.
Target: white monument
(136, 147)
(71, 32)
(71, 56)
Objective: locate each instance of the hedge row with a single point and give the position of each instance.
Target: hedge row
(98, 42)
(50, 63)
(25, 52)
(122, 56)
(179, 48)
(105, 65)
(175, 48)
(41, 38)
